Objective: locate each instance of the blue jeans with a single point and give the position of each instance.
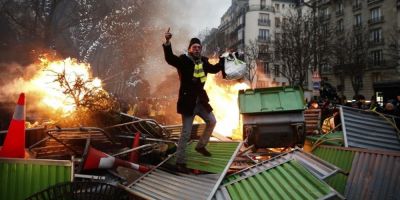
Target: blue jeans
(187, 122)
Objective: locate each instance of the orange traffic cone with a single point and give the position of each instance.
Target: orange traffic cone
(134, 157)
(96, 159)
(14, 144)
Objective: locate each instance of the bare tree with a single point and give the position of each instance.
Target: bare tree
(302, 43)
(251, 53)
(351, 57)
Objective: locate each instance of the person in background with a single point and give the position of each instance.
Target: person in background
(192, 69)
(390, 109)
(374, 105)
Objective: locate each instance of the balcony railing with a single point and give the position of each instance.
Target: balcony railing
(325, 1)
(261, 39)
(339, 30)
(373, 1)
(373, 64)
(357, 6)
(374, 43)
(339, 12)
(325, 17)
(375, 20)
(357, 27)
(264, 22)
(261, 8)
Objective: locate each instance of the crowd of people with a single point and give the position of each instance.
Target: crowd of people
(330, 113)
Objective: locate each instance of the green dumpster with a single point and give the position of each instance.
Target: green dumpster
(273, 117)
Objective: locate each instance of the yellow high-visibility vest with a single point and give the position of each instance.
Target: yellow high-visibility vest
(326, 125)
(199, 72)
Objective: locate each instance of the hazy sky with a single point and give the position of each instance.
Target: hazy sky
(210, 12)
(199, 14)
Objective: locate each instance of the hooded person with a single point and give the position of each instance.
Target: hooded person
(193, 100)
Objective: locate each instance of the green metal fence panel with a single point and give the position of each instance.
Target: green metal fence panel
(289, 180)
(340, 157)
(20, 178)
(221, 154)
(266, 100)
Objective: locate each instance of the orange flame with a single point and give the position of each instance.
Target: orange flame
(43, 83)
(224, 100)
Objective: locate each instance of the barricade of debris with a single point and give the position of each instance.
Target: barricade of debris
(135, 159)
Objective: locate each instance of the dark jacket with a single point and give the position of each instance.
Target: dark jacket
(190, 89)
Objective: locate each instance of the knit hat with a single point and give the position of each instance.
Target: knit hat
(194, 41)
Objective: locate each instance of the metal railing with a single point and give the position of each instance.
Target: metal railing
(357, 27)
(373, 43)
(339, 12)
(261, 39)
(264, 22)
(357, 6)
(376, 20)
(261, 8)
(373, 1)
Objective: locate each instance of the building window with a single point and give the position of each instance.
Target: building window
(267, 70)
(376, 76)
(359, 80)
(358, 40)
(283, 6)
(263, 3)
(240, 34)
(376, 35)
(357, 20)
(340, 26)
(263, 34)
(324, 12)
(325, 68)
(263, 19)
(377, 57)
(325, 29)
(277, 22)
(375, 14)
(356, 4)
(284, 21)
(276, 70)
(284, 69)
(277, 6)
(339, 8)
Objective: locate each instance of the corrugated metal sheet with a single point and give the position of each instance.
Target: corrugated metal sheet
(315, 165)
(21, 178)
(221, 154)
(162, 184)
(222, 194)
(368, 130)
(340, 157)
(288, 180)
(374, 175)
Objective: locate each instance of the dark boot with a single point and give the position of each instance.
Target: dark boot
(181, 167)
(203, 151)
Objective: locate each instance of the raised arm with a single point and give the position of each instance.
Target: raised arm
(168, 54)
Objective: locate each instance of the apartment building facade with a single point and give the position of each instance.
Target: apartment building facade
(256, 22)
(379, 20)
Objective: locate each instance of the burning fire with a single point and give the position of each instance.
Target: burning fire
(224, 100)
(52, 94)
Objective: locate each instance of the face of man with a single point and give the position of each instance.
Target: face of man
(195, 50)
